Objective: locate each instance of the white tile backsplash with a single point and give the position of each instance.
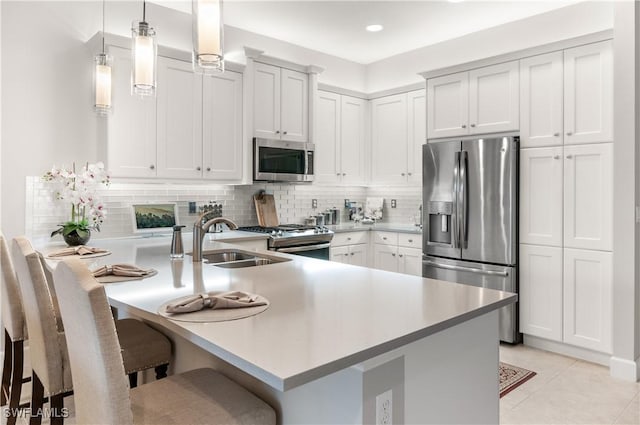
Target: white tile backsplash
(293, 203)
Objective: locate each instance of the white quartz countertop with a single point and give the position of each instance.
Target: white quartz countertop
(382, 227)
(324, 316)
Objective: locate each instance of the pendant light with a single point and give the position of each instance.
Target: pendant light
(207, 36)
(144, 50)
(102, 77)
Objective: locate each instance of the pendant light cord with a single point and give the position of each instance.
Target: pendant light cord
(103, 9)
(144, 11)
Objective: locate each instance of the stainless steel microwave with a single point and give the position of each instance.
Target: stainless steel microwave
(282, 161)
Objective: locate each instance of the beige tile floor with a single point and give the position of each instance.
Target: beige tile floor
(567, 391)
(564, 391)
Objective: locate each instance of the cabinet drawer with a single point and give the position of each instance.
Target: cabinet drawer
(349, 238)
(386, 238)
(410, 240)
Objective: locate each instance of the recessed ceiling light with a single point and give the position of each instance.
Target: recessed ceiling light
(374, 28)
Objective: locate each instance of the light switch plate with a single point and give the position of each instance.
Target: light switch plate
(393, 203)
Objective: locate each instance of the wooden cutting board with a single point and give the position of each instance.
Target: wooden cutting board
(266, 210)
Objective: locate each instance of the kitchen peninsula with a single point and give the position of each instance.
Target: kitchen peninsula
(334, 338)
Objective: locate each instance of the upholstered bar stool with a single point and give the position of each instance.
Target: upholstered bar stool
(200, 396)
(15, 334)
(143, 347)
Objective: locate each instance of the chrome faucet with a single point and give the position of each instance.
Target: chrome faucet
(200, 229)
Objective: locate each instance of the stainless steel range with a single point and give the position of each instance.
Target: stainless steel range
(298, 239)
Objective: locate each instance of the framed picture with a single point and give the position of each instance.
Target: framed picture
(154, 218)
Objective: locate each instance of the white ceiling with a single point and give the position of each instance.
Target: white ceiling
(337, 27)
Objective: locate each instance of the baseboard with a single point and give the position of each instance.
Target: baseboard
(568, 350)
(624, 369)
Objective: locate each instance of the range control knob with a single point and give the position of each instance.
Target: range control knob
(273, 233)
(279, 233)
(316, 230)
(325, 229)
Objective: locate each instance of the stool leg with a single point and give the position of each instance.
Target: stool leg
(133, 379)
(161, 371)
(56, 403)
(37, 399)
(6, 368)
(17, 348)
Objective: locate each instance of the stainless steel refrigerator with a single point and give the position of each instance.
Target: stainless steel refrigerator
(470, 207)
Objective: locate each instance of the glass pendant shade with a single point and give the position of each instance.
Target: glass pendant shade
(102, 83)
(144, 50)
(207, 36)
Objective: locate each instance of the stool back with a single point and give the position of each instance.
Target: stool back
(12, 309)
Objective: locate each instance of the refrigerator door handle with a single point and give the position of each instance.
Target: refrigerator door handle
(465, 269)
(463, 204)
(455, 232)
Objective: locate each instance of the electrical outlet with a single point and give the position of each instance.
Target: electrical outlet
(384, 408)
(314, 203)
(393, 203)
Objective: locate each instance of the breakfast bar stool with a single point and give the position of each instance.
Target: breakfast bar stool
(143, 347)
(15, 333)
(200, 396)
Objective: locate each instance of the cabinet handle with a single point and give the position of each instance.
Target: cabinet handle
(344, 174)
(198, 168)
(393, 254)
(208, 168)
(277, 131)
(284, 132)
(337, 174)
(569, 133)
(473, 125)
(410, 240)
(400, 255)
(403, 174)
(352, 253)
(348, 239)
(346, 254)
(569, 156)
(152, 167)
(556, 157)
(556, 134)
(464, 126)
(384, 238)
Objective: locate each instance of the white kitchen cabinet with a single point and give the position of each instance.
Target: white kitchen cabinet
(131, 127)
(541, 196)
(588, 299)
(480, 101)
(179, 130)
(222, 127)
(281, 103)
(588, 93)
(340, 139)
(386, 257)
(397, 135)
(340, 254)
(588, 196)
(410, 261)
(541, 111)
(398, 252)
(541, 289)
(350, 248)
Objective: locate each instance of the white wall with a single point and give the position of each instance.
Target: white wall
(568, 22)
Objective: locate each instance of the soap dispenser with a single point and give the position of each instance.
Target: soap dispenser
(177, 251)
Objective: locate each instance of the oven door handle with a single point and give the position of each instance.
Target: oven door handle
(304, 248)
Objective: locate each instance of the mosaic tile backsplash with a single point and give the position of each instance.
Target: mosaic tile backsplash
(293, 203)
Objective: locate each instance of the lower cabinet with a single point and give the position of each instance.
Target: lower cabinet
(350, 248)
(566, 295)
(397, 252)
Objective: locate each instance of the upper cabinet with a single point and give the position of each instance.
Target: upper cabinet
(340, 132)
(480, 101)
(588, 93)
(397, 136)
(567, 97)
(131, 128)
(281, 103)
(192, 130)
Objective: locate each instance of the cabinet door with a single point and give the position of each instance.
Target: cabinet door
(417, 132)
(386, 257)
(131, 128)
(358, 255)
(588, 93)
(540, 294)
(266, 102)
(541, 196)
(179, 120)
(339, 254)
(410, 261)
(222, 126)
(327, 138)
(352, 140)
(494, 95)
(294, 106)
(448, 105)
(588, 196)
(541, 100)
(588, 299)
(389, 139)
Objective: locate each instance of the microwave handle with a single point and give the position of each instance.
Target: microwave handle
(308, 163)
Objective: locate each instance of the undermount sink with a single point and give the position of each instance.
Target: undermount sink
(235, 259)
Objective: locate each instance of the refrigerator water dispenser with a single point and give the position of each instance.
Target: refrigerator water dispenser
(440, 222)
